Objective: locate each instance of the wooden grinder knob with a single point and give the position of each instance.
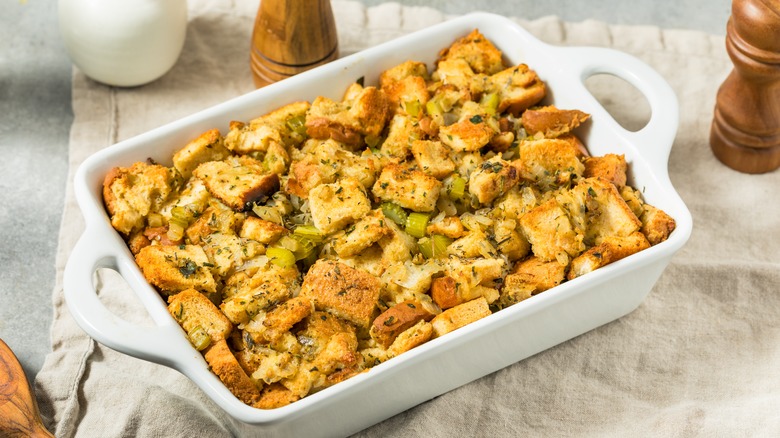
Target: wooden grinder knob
(291, 36)
(745, 132)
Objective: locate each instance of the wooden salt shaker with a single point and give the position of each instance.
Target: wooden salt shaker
(745, 132)
(291, 36)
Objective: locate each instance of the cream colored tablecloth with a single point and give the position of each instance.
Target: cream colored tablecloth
(700, 357)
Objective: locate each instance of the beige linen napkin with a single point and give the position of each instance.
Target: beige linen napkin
(700, 357)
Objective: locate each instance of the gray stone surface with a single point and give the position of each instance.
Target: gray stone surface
(35, 118)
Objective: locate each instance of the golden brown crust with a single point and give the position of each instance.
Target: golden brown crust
(286, 315)
(459, 316)
(611, 249)
(342, 291)
(206, 147)
(261, 230)
(480, 54)
(444, 291)
(539, 274)
(224, 364)
(275, 396)
(552, 122)
(433, 158)
(173, 268)
(656, 224)
(611, 167)
(409, 188)
(192, 309)
(238, 185)
(397, 319)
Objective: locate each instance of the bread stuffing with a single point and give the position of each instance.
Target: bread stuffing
(321, 239)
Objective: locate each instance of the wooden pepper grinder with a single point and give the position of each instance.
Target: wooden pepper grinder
(745, 132)
(291, 36)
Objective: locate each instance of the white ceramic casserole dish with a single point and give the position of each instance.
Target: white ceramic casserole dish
(480, 348)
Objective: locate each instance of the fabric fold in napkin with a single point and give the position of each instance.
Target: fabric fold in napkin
(698, 358)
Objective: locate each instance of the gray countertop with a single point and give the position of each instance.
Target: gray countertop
(36, 115)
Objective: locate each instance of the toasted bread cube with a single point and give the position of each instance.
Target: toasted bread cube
(582, 151)
(324, 161)
(493, 178)
(633, 199)
(369, 260)
(552, 122)
(192, 309)
(509, 241)
(397, 319)
(216, 218)
(481, 55)
(307, 377)
(610, 167)
(446, 292)
(551, 233)
(401, 72)
(549, 162)
(246, 298)
(408, 188)
(401, 133)
(514, 290)
(228, 251)
(467, 134)
(459, 316)
(466, 281)
(433, 158)
(612, 216)
(457, 73)
(207, 147)
(268, 131)
(362, 234)
(334, 206)
(450, 226)
(407, 93)
(328, 119)
(343, 291)
(414, 336)
(364, 115)
(474, 244)
(136, 241)
(173, 268)
(224, 364)
(517, 202)
(239, 183)
(611, 249)
(284, 316)
(263, 231)
(339, 352)
(518, 89)
(398, 246)
(330, 345)
(275, 396)
(656, 224)
(274, 365)
(245, 138)
(130, 194)
(540, 274)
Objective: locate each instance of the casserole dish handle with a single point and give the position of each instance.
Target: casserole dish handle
(655, 139)
(159, 343)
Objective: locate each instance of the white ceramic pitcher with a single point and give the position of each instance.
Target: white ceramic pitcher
(123, 42)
